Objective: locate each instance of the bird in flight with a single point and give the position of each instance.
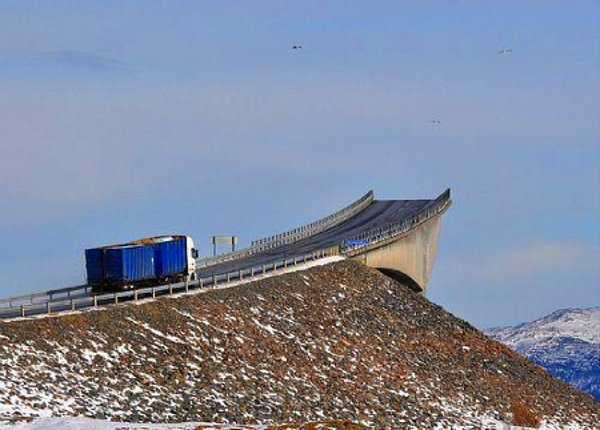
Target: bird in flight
(505, 51)
(296, 47)
(435, 121)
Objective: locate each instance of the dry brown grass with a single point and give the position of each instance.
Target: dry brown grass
(524, 416)
(313, 425)
(321, 425)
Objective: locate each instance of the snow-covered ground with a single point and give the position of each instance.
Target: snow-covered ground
(79, 423)
(311, 345)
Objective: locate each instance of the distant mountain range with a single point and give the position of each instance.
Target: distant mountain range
(566, 343)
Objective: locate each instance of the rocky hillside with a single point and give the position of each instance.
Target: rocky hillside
(339, 341)
(81, 423)
(566, 343)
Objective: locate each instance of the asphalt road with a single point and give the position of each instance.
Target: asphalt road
(380, 213)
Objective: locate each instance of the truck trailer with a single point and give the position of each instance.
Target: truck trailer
(141, 263)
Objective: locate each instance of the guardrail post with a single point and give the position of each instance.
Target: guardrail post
(252, 272)
(263, 269)
(48, 308)
(201, 282)
(135, 295)
(72, 305)
(214, 280)
(285, 262)
(295, 261)
(187, 285)
(153, 292)
(228, 276)
(116, 299)
(170, 289)
(240, 274)
(22, 311)
(95, 301)
(304, 258)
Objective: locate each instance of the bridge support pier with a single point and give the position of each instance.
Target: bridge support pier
(409, 257)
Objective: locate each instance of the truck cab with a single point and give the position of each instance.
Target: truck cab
(192, 255)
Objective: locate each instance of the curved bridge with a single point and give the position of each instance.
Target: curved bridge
(398, 237)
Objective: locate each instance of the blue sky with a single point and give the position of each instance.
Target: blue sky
(127, 119)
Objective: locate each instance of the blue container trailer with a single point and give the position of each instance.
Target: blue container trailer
(170, 256)
(144, 262)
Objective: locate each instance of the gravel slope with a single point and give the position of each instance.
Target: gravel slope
(338, 341)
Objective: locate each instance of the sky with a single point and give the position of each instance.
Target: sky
(122, 120)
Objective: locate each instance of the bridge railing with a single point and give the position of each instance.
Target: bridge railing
(294, 235)
(356, 243)
(45, 296)
(65, 304)
(318, 226)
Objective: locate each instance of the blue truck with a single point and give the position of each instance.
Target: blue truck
(144, 262)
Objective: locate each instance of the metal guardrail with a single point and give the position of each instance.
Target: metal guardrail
(317, 226)
(94, 301)
(50, 295)
(356, 243)
(294, 235)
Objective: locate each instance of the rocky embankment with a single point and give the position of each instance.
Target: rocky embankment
(338, 341)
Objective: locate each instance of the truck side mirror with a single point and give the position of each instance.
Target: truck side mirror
(194, 253)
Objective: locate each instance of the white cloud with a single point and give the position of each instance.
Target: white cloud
(547, 257)
(529, 261)
(83, 60)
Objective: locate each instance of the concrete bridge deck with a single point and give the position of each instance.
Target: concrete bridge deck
(379, 214)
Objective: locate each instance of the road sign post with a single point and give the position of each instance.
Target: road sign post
(223, 240)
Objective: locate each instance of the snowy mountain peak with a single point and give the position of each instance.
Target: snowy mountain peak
(575, 323)
(565, 342)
